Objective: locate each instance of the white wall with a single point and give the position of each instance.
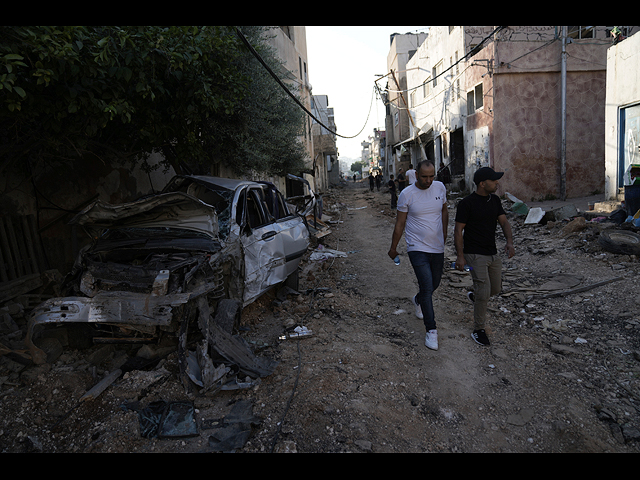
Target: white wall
(437, 110)
(623, 89)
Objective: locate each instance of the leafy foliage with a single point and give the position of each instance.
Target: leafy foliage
(263, 134)
(358, 166)
(122, 92)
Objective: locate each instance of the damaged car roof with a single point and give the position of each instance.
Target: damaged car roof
(173, 209)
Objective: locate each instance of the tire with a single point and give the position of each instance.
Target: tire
(620, 241)
(227, 315)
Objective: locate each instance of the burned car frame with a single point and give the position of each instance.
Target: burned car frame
(166, 259)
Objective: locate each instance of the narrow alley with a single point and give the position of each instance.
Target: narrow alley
(561, 374)
(368, 383)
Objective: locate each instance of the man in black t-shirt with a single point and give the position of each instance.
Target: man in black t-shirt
(477, 217)
(392, 191)
(401, 180)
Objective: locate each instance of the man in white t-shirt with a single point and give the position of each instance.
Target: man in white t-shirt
(423, 218)
(411, 175)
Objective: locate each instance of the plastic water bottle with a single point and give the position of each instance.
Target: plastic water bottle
(467, 268)
(397, 260)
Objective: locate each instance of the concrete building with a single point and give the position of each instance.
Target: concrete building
(325, 159)
(378, 153)
(372, 154)
(436, 90)
(394, 84)
(290, 43)
(622, 114)
(366, 156)
(494, 96)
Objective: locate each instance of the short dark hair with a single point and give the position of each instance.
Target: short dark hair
(425, 162)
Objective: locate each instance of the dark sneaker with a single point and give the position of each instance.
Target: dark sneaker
(471, 296)
(480, 337)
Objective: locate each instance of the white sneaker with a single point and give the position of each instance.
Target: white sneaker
(431, 340)
(418, 307)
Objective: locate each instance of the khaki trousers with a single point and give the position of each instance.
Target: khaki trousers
(487, 282)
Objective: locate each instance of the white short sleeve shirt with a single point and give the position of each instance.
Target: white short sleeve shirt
(423, 230)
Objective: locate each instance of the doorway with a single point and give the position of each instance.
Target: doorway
(629, 149)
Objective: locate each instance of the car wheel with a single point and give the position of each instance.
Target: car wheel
(227, 315)
(620, 241)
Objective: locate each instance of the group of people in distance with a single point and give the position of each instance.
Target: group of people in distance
(423, 217)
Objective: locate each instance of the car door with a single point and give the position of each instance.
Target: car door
(263, 248)
(291, 228)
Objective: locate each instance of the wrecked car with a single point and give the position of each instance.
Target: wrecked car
(203, 247)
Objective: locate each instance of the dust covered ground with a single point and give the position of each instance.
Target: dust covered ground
(562, 373)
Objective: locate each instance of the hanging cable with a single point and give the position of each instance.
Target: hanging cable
(284, 87)
(471, 53)
(531, 51)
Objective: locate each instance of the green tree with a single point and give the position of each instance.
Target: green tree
(357, 166)
(263, 134)
(121, 92)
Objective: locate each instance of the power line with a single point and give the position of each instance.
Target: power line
(471, 53)
(284, 87)
(531, 51)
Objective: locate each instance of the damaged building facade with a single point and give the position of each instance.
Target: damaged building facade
(526, 100)
(392, 87)
(325, 152)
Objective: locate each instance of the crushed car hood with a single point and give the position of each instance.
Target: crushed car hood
(173, 210)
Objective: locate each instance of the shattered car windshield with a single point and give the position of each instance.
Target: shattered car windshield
(223, 208)
(218, 197)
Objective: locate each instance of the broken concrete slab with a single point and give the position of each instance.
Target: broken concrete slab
(534, 216)
(562, 213)
(608, 206)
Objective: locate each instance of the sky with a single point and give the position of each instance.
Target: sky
(343, 63)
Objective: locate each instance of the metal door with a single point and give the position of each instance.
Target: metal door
(629, 149)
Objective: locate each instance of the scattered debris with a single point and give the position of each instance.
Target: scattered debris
(559, 303)
(232, 432)
(162, 419)
(297, 332)
(324, 253)
(585, 288)
(534, 216)
(565, 212)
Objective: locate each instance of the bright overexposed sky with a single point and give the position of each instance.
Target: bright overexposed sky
(342, 63)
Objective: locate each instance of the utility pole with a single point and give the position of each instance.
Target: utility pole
(563, 146)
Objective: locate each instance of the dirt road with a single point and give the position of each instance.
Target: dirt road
(562, 373)
(366, 382)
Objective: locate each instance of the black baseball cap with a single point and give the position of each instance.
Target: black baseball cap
(486, 173)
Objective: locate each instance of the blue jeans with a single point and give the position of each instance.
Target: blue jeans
(428, 268)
